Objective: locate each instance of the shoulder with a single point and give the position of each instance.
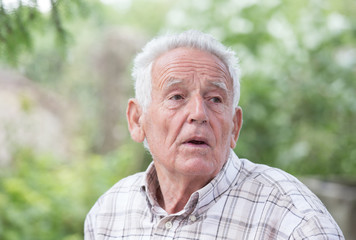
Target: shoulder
(282, 184)
(119, 194)
(288, 202)
(113, 204)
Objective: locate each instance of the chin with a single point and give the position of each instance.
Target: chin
(200, 167)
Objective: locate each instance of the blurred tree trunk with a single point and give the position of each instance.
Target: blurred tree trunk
(112, 64)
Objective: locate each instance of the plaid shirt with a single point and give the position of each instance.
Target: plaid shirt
(244, 201)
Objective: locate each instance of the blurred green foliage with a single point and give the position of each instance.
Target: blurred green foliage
(42, 197)
(298, 61)
(21, 21)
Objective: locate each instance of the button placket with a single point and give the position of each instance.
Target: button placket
(168, 225)
(192, 218)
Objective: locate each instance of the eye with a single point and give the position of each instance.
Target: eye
(176, 97)
(216, 100)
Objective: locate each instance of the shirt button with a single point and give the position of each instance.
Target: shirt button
(193, 218)
(169, 225)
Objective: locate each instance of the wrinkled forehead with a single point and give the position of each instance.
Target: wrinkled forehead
(187, 61)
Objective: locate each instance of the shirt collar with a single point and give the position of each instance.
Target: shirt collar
(200, 200)
(150, 184)
(227, 177)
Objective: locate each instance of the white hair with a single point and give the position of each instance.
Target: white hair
(191, 39)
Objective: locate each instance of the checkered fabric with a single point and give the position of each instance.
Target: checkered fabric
(244, 201)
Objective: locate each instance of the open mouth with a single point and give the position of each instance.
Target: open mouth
(197, 142)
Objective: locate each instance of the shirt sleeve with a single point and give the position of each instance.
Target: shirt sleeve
(317, 228)
(89, 224)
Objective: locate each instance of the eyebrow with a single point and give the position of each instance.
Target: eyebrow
(171, 82)
(221, 85)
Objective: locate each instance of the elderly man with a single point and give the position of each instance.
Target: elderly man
(186, 113)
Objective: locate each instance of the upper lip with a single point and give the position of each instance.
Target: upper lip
(201, 139)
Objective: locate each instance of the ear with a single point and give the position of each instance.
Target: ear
(237, 124)
(134, 117)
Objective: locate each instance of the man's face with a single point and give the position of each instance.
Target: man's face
(191, 124)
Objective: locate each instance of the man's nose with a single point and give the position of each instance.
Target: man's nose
(198, 110)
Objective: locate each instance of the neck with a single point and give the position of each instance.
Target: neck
(174, 192)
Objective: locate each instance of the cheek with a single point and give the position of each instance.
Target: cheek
(161, 127)
(174, 126)
(224, 131)
(150, 127)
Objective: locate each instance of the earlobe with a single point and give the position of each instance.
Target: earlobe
(237, 124)
(134, 116)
